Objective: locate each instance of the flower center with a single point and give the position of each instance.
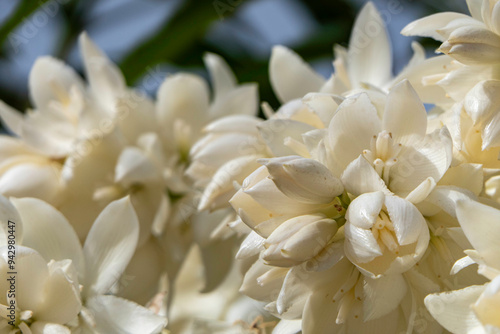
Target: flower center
(22, 319)
(383, 154)
(383, 232)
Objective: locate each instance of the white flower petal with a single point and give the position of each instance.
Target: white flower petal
(404, 113)
(34, 180)
(134, 166)
(51, 80)
(360, 177)
(250, 246)
(305, 180)
(426, 157)
(275, 131)
(446, 198)
(224, 148)
(382, 295)
(364, 210)
(116, 315)
(323, 105)
(467, 176)
(474, 7)
(41, 327)
(290, 76)
(32, 274)
(461, 264)
(270, 197)
(452, 309)
(109, 246)
(428, 26)
(135, 115)
(481, 225)
(61, 302)
(262, 282)
(352, 129)
(12, 119)
(242, 100)
(104, 77)
(369, 40)
(234, 123)
(183, 96)
(49, 232)
(360, 244)
(406, 218)
(421, 192)
(223, 79)
(9, 213)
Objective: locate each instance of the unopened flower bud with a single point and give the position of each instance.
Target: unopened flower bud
(304, 180)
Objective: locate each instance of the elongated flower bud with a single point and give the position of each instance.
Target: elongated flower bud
(304, 180)
(298, 239)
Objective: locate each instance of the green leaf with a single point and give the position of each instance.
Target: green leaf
(23, 10)
(174, 40)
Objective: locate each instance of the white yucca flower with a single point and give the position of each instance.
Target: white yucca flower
(87, 275)
(470, 40)
(473, 309)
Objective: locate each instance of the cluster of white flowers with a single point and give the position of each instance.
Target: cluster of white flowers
(350, 209)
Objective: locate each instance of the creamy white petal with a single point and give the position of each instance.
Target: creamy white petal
(382, 295)
(61, 302)
(250, 246)
(421, 192)
(452, 309)
(474, 7)
(270, 197)
(234, 123)
(224, 148)
(12, 119)
(221, 188)
(275, 131)
(49, 232)
(481, 225)
(404, 113)
(360, 245)
(461, 264)
(291, 78)
(109, 246)
(467, 176)
(428, 26)
(183, 96)
(364, 210)
(262, 282)
(360, 177)
(116, 315)
(223, 79)
(352, 129)
(305, 180)
(41, 327)
(369, 40)
(406, 218)
(323, 105)
(491, 134)
(32, 275)
(134, 166)
(426, 157)
(242, 100)
(9, 213)
(105, 78)
(51, 80)
(135, 115)
(34, 180)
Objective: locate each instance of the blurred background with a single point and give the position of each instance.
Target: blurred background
(149, 39)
